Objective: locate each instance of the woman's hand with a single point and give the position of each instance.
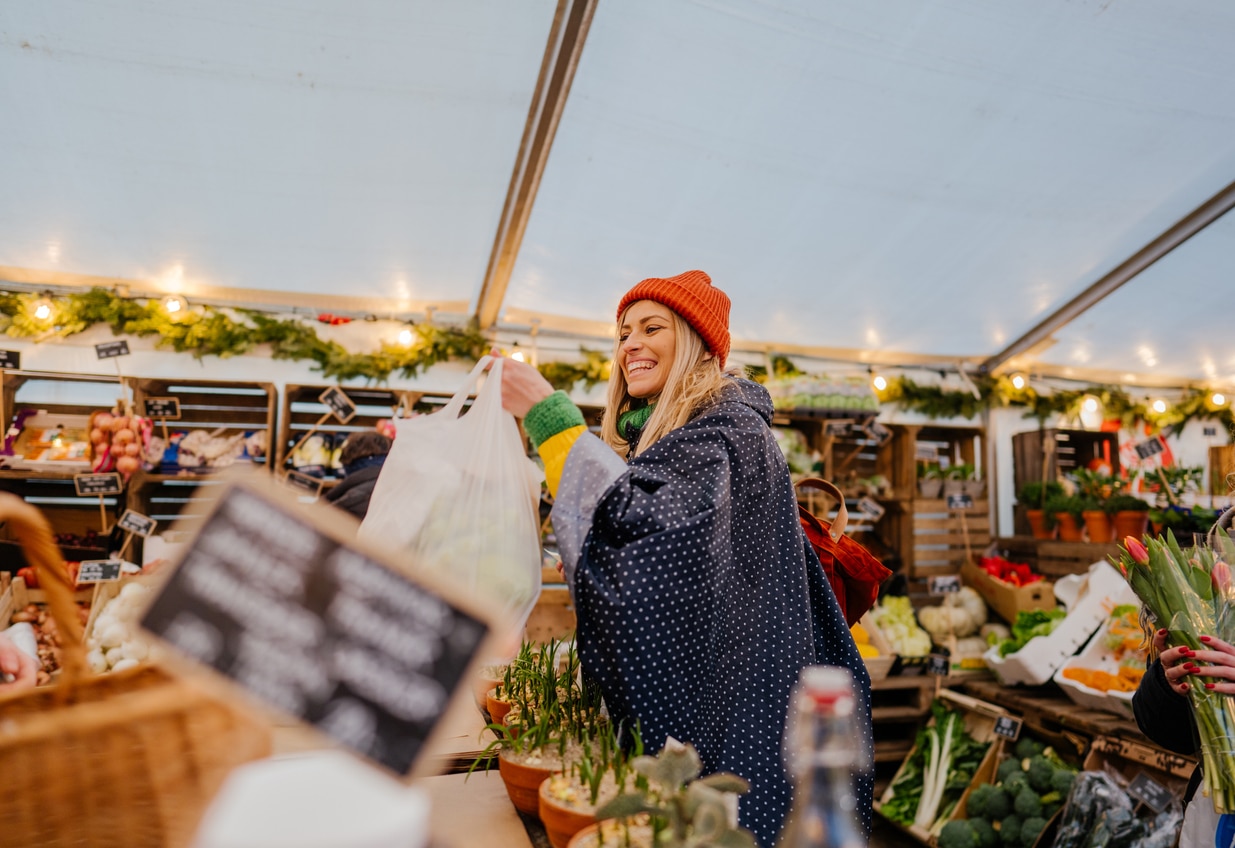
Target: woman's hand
(522, 387)
(15, 661)
(1216, 662)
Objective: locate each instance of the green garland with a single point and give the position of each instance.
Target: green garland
(563, 375)
(214, 332)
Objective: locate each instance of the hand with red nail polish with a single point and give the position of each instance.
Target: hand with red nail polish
(1215, 662)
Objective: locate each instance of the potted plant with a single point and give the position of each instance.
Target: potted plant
(1129, 516)
(1097, 520)
(954, 480)
(1064, 512)
(599, 773)
(675, 809)
(974, 485)
(930, 480)
(1033, 496)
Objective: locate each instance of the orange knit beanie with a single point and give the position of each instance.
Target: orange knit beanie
(691, 295)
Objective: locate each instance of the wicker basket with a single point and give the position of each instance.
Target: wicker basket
(126, 759)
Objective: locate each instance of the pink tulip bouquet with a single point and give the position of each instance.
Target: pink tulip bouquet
(1189, 592)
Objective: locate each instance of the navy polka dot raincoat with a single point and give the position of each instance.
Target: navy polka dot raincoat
(699, 600)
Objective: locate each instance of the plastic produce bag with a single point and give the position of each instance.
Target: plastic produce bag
(459, 493)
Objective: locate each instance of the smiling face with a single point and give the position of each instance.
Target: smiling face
(647, 343)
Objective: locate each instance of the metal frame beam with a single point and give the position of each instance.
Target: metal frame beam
(557, 72)
(1188, 226)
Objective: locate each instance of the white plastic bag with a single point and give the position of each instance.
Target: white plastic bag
(459, 493)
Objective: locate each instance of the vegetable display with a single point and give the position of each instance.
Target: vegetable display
(1013, 573)
(894, 618)
(1125, 641)
(1030, 624)
(1100, 814)
(863, 641)
(115, 642)
(944, 759)
(961, 614)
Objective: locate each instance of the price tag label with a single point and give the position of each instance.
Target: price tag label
(304, 483)
(340, 404)
(110, 350)
(961, 501)
(945, 584)
(1007, 727)
(878, 433)
(939, 665)
(109, 483)
(10, 359)
(1148, 448)
(871, 507)
(837, 426)
(100, 571)
(135, 522)
(281, 599)
(1150, 792)
(163, 407)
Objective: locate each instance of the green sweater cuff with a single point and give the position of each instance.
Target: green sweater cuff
(551, 416)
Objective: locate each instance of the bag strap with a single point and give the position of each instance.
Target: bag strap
(1223, 523)
(842, 512)
(455, 405)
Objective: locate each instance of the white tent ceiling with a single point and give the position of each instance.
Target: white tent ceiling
(891, 181)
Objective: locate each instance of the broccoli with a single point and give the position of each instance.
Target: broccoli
(1049, 810)
(1027, 804)
(987, 838)
(977, 803)
(1062, 781)
(1010, 831)
(1027, 748)
(1008, 768)
(1041, 773)
(1016, 783)
(998, 805)
(957, 834)
(1031, 829)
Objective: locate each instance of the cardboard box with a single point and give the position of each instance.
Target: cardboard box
(1004, 598)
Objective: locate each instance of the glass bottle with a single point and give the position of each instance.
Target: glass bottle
(824, 753)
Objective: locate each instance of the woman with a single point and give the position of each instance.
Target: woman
(698, 598)
(1164, 714)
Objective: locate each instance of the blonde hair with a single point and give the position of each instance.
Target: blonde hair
(694, 380)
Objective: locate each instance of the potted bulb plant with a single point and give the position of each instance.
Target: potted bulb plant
(599, 773)
(954, 480)
(930, 480)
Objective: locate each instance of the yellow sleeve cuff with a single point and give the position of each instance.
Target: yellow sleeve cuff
(554, 452)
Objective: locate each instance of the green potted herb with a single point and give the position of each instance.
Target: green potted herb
(954, 480)
(1033, 496)
(1097, 521)
(930, 480)
(1129, 516)
(1064, 512)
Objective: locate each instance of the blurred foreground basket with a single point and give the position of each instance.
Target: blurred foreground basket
(130, 758)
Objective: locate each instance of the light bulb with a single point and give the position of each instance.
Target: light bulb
(1218, 399)
(1090, 404)
(405, 337)
(517, 356)
(880, 382)
(1018, 381)
(173, 304)
(1159, 406)
(42, 310)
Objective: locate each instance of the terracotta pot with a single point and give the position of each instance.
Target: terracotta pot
(482, 685)
(561, 821)
(523, 784)
(1130, 523)
(1098, 526)
(1037, 524)
(641, 837)
(1069, 529)
(930, 489)
(497, 709)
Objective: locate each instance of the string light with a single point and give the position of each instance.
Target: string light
(1159, 406)
(879, 382)
(42, 310)
(405, 337)
(1218, 399)
(1090, 404)
(1018, 381)
(176, 306)
(516, 354)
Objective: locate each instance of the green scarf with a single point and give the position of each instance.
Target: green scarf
(634, 418)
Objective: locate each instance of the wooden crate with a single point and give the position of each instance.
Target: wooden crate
(1221, 469)
(217, 406)
(1049, 454)
(940, 536)
(1016, 549)
(173, 499)
(1056, 559)
(553, 617)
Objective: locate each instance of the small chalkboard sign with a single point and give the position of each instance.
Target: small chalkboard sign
(837, 426)
(944, 584)
(1150, 792)
(340, 404)
(10, 359)
(135, 522)
(939, 665)
(1007, 727)
(284, 601)
(1205, 431)
(960, 501)
(163, 407)
(108, 483)
(871, 507)
(1149, 447)
(110, 350)
(304, 483)
(100, 571)
(877, 432)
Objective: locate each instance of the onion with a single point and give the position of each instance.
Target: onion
(133, 449)
(120, 422)
(97, 436)
(103, 420)
(124, 437)
(128, 464)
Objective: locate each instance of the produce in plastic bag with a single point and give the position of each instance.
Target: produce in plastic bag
(1100, 814)
(459, 493)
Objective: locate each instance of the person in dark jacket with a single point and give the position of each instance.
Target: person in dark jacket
(1164, 714)
(362, 457)
(699, 600)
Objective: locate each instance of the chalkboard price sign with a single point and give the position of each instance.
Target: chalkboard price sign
(871, 507)
(304, 483)
(284, 601)
(340, 404)
(164, 407)
(110, 350)
(939, 665)
(837, 426)
(10, 359)
(99, 571)
(1148, 448)
(108, 483)
(135, 522)
(1150, 792)
(945, 584)
(1007, 727)
(961, 501)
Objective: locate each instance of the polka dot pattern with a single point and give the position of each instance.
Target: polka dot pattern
(699, 600)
